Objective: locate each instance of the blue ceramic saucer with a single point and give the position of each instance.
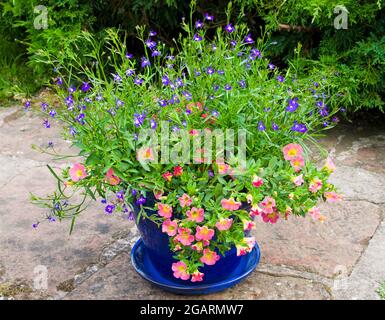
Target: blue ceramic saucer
(143, 264)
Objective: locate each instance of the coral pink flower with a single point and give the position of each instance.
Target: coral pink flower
(270, 217)
(292, 151)
(194, 132)
(111, 178)
(248, 225)
(195, 214)
(184, 236)
(158, 195)
(164, 210)
(145, 154)
(315, 213)
(268, 205)
(297, 163)
(170, 227)
(77, 172)
(230, 204)
(257, 181)
(255, 211)
(197, 276)
(223, 168)
(167, 176)
(333, 197)
(315, 185)
(288, 212)
(329, 165)
(224, 224)
(185, 200)
(198, 246)
(298, 181)
(209, 257)
(178, 171)
(204, 233)
(246, 246)
(180, 270)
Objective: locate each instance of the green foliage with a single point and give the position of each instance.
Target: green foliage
(381, 291)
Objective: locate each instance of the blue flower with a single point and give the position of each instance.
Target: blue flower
(255, 53)
(138, 81)
(271, 66)
(221, 72)
(152, 33)
(120, 195)
(130, 72)
(163, 103)
(155, 53)
(46, 124)
(210, 70)
(165, 80)
(44, 106)
(72, 131)
(129, 55)
(85, 86)
(261, 126)
(139, 119)
(144, 62)
(299, 127)
(197, 72)
(293, 105)
(52, 113)
(275, 126)
(153, 124)
(280, 78)
(197, 37)
(27, 105)
(71, 89)
(324, 112)
(150, 43)
(141, 200)
(248, 39)
(229, 28)
(119, 103)
(242, 83)
(134, 192)
(198, 24)
(109, 208)
(117, 78)
(227, 87)
(209, 17)
(233, 43)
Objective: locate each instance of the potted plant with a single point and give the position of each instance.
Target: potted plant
(197, 144)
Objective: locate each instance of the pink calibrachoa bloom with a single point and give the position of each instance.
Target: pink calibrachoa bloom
(185, 200)
(167, 176)
(164, 210)
(194, 132)
(246, 246)
(178, 171)
(292, 151)
(184, 236)
(145, 154)
(209, 257)
(288, 212)
(204, 233)
(315, 213)
(111, 178)
(298, 181)
(170, 227)
(270, 217)
(268, 205)
(77, 172)
(224, 224)
(159, 195)
(315, 185)
(197, 246)
(255, 211)
(248, 225)
(223, 168)
(230, 204)
(297, 164)
(180, 270)
(197, 276)
(195, 214)
(257, 181)
(333, 197)
(329, 165)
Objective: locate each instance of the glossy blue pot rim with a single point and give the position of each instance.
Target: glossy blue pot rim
(255, 250)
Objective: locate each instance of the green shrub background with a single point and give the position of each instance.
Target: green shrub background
(352, 59)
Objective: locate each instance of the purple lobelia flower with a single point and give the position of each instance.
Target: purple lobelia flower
(210, 70)
(85, 86)
(275, 126)
(163, 102)
(138, 81)
(198, 24)
(129, 55)
(35, 225)
(215, 113)
(293, 105)
(209, 17)
(299, 127)
(197, 37)
(46, 124)
(27, 105)
(153, 124)
(87, 100)
(117, 78)
(229, 28)
(72, 131)
(261, 126)
(144, 62)
(150, 43)
(139, 119)
(242, 83)
(248, 39)
(59, 81)
(141, 200)
(134, 192)
(233, 43)
(197, 72)
(130, 72)
(119, 103)
(221, 72)
(152, 33)
(165, 80)
(271, 66)
(255, 53)
(227, 87)
(52, 113)
(109, 209)
(280, 78)
(324, 112)
(120, 195)
(44, 106)
(72, 89)
(155, 53)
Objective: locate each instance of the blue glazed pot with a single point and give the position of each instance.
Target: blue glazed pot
(157, 244)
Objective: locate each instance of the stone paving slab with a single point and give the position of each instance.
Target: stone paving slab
(118, 280)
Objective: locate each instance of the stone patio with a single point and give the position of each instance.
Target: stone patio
(343, 258)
